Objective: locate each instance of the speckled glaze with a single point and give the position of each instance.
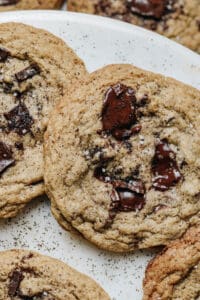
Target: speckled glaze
(116, 42)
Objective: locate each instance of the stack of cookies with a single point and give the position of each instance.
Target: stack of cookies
(117, 152)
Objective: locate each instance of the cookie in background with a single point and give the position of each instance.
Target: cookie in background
(178, 20)
(37, 68)
(175, 272)
(7, 5)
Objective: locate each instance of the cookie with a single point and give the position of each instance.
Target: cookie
(178, 20)
(29, 275)
(122, 158)
(57, 214)
(36, 69)
(175, 273)
(6, 5)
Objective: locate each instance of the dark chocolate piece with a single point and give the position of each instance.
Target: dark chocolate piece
(101, 174)
(27, 73)
(19, 146)
(19, 119)
(3, 52)
(127, 195)
(6, 158)
(124, 134)
(148, 8)
(14, 286)
(164, 167)
(119, 112)
(15, 280)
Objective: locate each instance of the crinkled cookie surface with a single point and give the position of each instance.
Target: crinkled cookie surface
(122, 158)
(28, 275)
(36, 69)
(175, 272)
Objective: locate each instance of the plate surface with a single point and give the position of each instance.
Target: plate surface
(98, 41)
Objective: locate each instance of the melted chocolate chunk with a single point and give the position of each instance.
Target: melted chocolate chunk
(27, 73)
(6, 158)
(19, 119)
(124, 134)
(119, 112)
(15, 280)
(164, 167)
(8, 2)
(136, 129)
(3, 52)
(127, 194)
(148, 8)
(99, 173)
(14, 286)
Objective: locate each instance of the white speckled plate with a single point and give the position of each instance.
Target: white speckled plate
(98, 41)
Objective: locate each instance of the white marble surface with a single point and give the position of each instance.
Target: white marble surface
(98, 41)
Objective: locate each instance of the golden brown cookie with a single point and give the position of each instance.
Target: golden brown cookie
(175, 272)
(36, 69)
(122, 158)
(6, 5)
(29, 275)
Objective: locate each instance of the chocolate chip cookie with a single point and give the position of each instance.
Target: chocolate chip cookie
(61, 219)
(6, 5)
(29, 275)
(176, 19)
(36, 69)
(122, 158)
(175, 273)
